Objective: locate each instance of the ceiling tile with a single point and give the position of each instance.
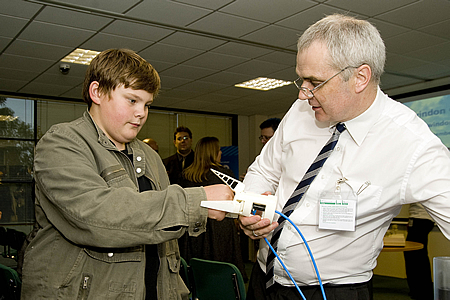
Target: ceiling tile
(193, 41)
(11, 85)
(369, 7)
(75, 93)
(204, 86)
(11, 26)
(72, 18)
(168, 53)
(411, 41)
(39, 88)
(55, 34)
(440, 29)
(388, 30)
(257, 68)
(235, 26)
(418, 14)
(302, 20)
(187, 72)
(4, 41)
(38, 50)
(434, 53)
(389, 81)
(209, 4)
(168, 82)
(228, 78)
(137, 31)
(277, 57)
(19, 8)
(24, 63)
(215, 61)
(102, 41)
(241, 50)
(167, 12)
(15, 74)
(274, 35)
(266, 10)
(107, 5)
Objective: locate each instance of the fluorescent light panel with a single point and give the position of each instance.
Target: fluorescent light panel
(80, 56)
(263, 84)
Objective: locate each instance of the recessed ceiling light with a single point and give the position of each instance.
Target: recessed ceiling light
(80, 56)
(263, 84)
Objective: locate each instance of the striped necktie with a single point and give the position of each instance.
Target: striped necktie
(298, 193)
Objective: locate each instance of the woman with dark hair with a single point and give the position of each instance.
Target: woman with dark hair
(220, 242)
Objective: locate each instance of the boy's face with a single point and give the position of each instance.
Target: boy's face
(122, 115)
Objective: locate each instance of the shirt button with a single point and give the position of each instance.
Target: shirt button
(289, 227)
(308, 205)
(276, 276)
(138, 158)
(338, 148)
(138, 170)
(198, 224)
(196, 229)
(110, 254)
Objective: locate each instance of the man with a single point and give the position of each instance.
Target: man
(107, 219)
(152, 143)
(268, 128)
(384, 156)
(175, 164)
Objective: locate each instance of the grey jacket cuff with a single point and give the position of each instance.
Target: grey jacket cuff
(197, 215)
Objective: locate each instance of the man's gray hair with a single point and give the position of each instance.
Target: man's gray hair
(350, 42)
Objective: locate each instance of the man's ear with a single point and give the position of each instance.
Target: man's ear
(94, 92)
(363, 76)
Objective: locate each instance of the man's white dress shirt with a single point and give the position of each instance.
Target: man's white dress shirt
(387, 155)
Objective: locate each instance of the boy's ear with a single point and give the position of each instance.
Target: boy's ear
(94, 92)
(363, 76)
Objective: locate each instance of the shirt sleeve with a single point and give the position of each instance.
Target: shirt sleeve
(429, 182)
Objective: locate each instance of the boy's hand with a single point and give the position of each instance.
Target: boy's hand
(218, 192)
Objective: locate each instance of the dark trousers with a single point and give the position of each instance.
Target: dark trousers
(417, 263)
(257, 290)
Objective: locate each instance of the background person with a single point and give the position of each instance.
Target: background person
(417, 263)
(175, 164)
(107, 219)
(152, 143)
(268, 128)
(384, 156)
(220, 242)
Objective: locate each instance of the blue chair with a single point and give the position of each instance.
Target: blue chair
(216, 280)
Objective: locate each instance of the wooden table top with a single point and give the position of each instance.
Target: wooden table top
(409, 246)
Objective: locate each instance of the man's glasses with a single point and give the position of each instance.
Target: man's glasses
(264, 138)
(310, 93)
(182, 138)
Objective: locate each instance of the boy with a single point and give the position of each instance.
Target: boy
(108, 219)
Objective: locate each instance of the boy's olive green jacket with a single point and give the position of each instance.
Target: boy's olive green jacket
(94, 223)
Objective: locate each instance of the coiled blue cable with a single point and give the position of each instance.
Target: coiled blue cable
(310, 254)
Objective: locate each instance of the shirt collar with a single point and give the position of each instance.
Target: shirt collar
(359, 127)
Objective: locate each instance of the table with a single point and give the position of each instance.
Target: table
(409, 246)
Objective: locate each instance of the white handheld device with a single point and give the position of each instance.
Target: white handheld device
(244, 203)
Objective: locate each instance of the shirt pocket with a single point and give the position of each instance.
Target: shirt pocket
(368, 195)
(114, 175)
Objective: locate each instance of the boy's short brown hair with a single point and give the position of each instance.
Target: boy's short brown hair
(115, 67)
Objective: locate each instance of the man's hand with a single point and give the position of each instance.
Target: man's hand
(218, 192)
(255, 227)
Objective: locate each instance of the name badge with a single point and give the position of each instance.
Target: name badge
(338, 210)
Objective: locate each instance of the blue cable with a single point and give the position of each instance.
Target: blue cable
(310, 254)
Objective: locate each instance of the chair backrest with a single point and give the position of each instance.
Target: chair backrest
(216, 280)
(184, 273)
(10, 283)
